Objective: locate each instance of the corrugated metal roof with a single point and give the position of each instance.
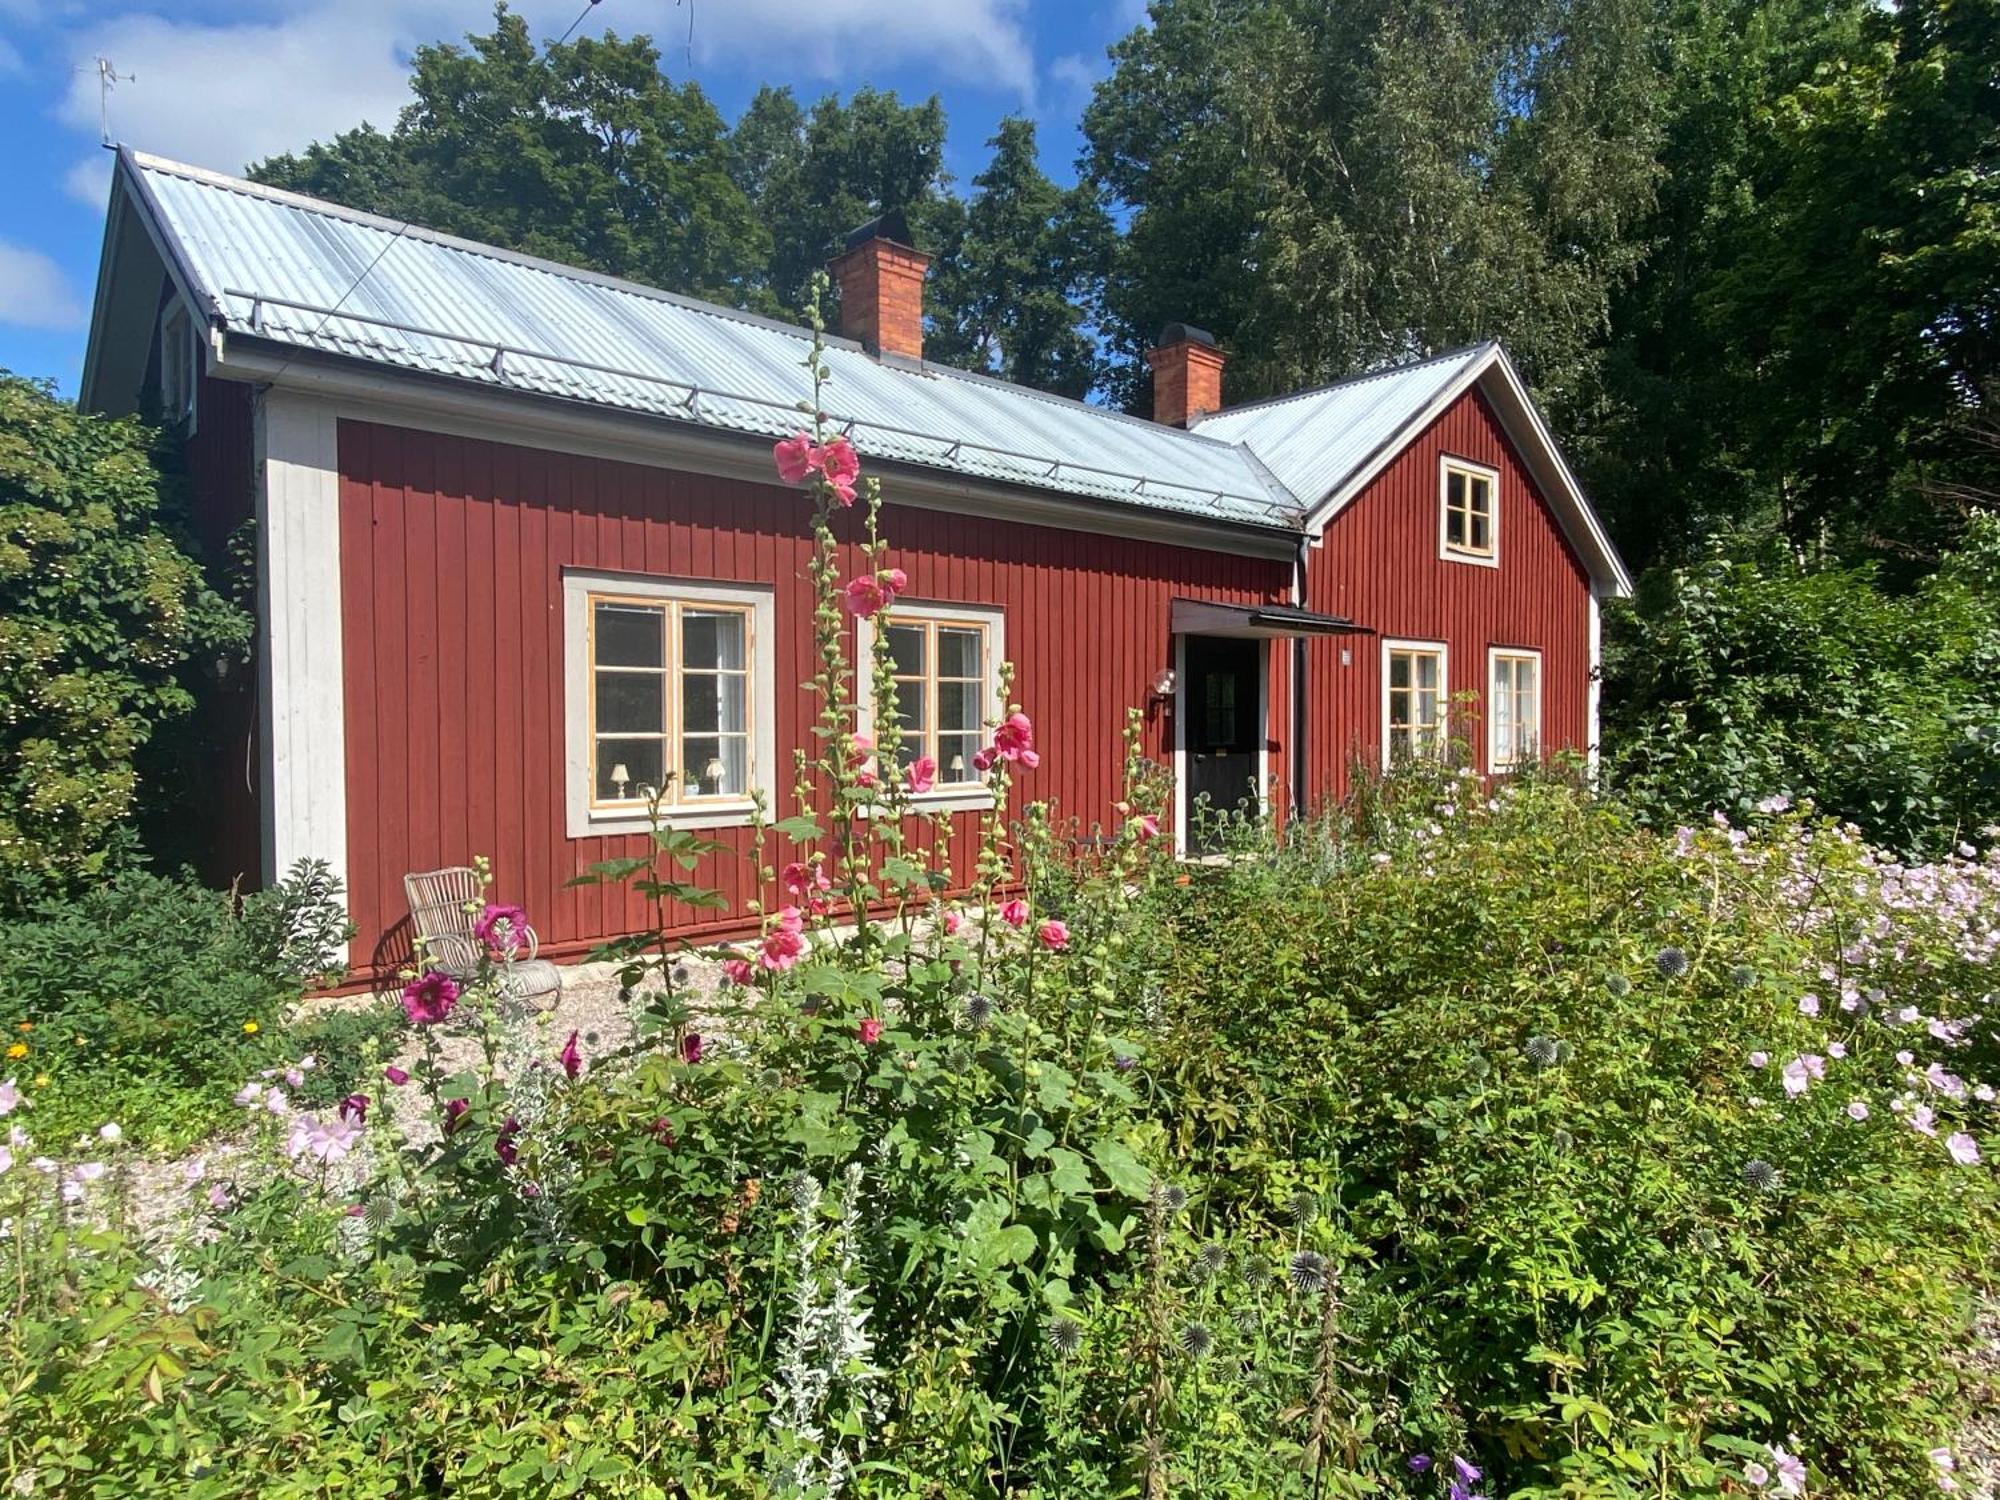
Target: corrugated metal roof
(1315, 441)
(277, 266)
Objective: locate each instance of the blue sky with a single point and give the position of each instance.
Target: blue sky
(221, 85)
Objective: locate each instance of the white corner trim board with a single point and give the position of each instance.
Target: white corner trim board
(301, 699)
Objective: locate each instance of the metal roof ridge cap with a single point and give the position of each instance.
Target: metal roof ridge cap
(325, 208)
(1462, 352)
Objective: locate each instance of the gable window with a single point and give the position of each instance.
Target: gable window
(669, 689)
(180, 369)
(1469, 506)
(1513, 708)
(1413, 699)
(946, 659)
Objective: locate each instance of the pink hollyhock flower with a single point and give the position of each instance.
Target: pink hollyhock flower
(800, 880)
(1148, 826)
(870, 1031)
(1963, 1148)
(952, 922)
(839, 463)
(431, 999)
(736, 971)
(844, 493)
(895, 580)
(691, 1047)
(503, 929)
(395, 1075)
(354, 1107)
(865, 596)
(571, 1059)
(1030, 759)
(982, 762)
(1054, 935)
(1015, 737)
(920, 775)
(503, 1143)
(454, 1114)
(794, 456)
(1015, 913)
(785, 944)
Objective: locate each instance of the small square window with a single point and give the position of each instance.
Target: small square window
(1469, 519)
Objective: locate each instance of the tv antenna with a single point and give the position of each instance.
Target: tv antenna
(108, 78)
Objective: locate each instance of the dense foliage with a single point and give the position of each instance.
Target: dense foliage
(1466, 1140)
(156, 993)
(102, 606)
(1728, 683)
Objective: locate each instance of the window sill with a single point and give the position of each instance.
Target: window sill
(943, 800)
(1476, 559)
(612, 822)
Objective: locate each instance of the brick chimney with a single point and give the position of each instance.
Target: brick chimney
(881, 280)
(1187, 375)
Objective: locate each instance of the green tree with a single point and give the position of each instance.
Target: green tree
(1010, 286)
(101, 606)
(584, 152)
(1333, 187)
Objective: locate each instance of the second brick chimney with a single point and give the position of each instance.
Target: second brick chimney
(881, 279)
(1187, 375)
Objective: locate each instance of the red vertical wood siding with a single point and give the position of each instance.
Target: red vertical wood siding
(1378, 564)
(453, 552)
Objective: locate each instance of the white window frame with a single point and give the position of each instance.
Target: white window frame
(1495, 762)
(942, 798)
(587, 818)
(180, 368)
(1448, 466)
(1390, 648)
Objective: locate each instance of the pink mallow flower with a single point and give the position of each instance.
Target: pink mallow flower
(802, 881)
(1054, 935)
(1014, 740)
(1963, 1148)
(571, 1059)
(1147, 826)
(691, 1047)
(870, 1031)
(794, 457)
(865, 596)
(395, 1075)
(953, 920)
(503, 1143)
(322, 1140)
(503, 929)
(920, 775)
(1014, 913)
(785, 943)
(431, 999)
(736, 971)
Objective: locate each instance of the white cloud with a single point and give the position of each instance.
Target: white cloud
(33, 291)
(11, 62)
(223, 94)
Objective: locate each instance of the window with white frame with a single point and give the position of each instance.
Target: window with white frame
(1513, 708)
(669, 691)
(1469, 506)
(1413, 699)
(946, 660)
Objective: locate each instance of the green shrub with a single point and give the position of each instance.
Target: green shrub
(146, 999)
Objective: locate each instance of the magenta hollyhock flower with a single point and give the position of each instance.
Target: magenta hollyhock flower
(431, 999)
(354, 1107)
(838, 462)
(395, 1075)
(663, 1132)
(503, 1144)
(1014, 913)
(1054, 935)
(1015, 737)
(895, 580)
(736, 970)
(952, 922)
(691, 1047)
(864, 596)
(982, 761)
(1148, 827)
(920, 775)
(572, 1060)
(454, 1114)
(870, 1031)
(785, 943)
(503, 929)
(794, 457)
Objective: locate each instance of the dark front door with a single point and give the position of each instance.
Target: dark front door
(1224, 731)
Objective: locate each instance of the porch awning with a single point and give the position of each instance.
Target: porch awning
(1260, 622)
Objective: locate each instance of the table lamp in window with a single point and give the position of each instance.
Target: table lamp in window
(620, 778)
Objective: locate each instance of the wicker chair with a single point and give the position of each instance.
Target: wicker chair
(443, 904)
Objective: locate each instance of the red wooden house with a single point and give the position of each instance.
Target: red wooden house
(521, 550)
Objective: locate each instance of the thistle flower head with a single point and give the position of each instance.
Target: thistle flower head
(379, 1212)
(1170, 1196)
(1210, 1260)
(1760, 1176)
(1618, 985)
(1065, 1335)
(1543, 1051)
(1307, 1272)
(1303, 1208)
(1562, 1140)
(1256, 1271)
(978, 1010)
(1196, 1340)
(1743, 977)
(1671, 962)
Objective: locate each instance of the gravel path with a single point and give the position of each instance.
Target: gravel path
(1978, 1446)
